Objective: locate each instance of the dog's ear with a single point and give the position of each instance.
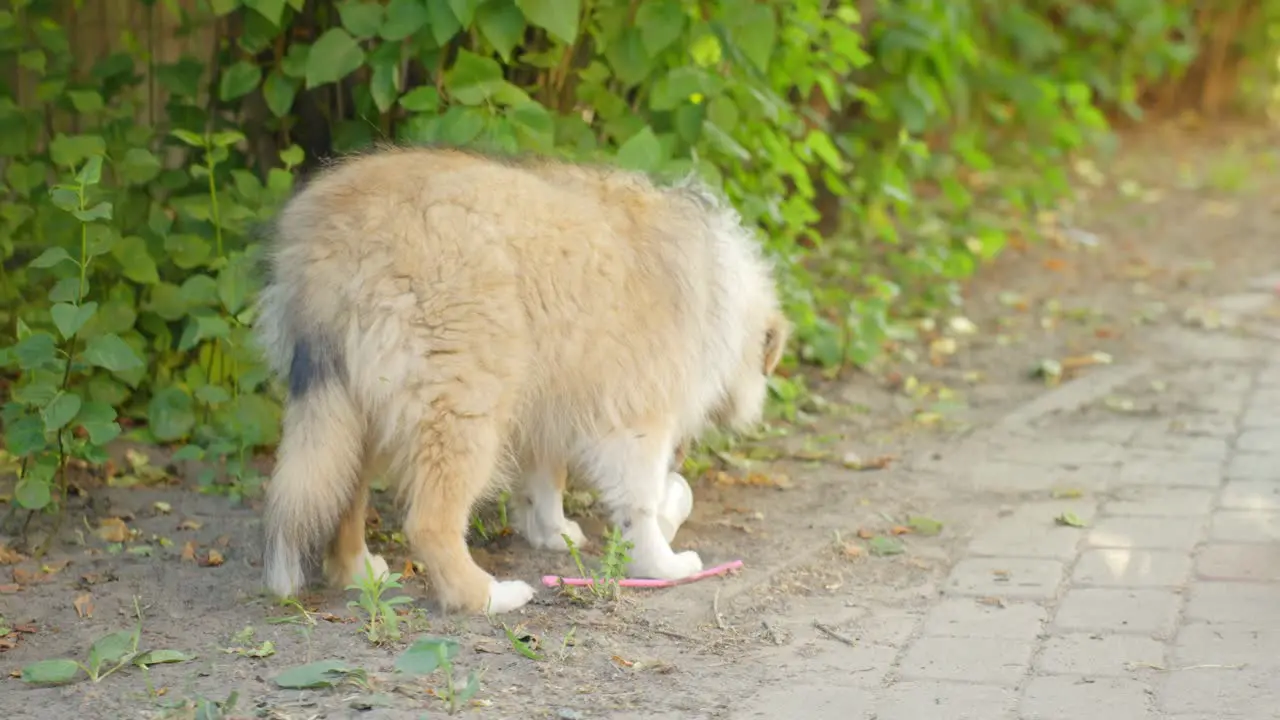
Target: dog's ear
(775, 341)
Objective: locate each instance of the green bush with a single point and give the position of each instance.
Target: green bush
(916, 136)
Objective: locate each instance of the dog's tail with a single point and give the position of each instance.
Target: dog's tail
(318, 462)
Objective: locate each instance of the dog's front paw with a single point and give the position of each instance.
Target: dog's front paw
(677, 503)
(674, 566)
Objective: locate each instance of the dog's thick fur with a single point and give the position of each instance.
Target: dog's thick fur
(453, 319)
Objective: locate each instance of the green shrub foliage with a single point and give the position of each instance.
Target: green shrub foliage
(883, 147)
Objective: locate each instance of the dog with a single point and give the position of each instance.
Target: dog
(460, 320)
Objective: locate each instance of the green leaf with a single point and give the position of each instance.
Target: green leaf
(189, 137)
(223, 7)
(755, 33)
(60, 411)
(187, 251)
(627, 56)
(884, 545)
(171, 414)
(36, 350)
(91, 172)
(69, 319)
(361, 19)
(65, 199)
(50, 672)
(101, 211)
(67, 290)
(1069, 519)
(50, 257)
(159, 657)
(502, 24)
(86, 102)
(139, 166)
(404, 18)
(464, 10)
(334, 56)
(661, 22)
(24, 437)
(272, 10)
(534, 126)
(233, 283)
(99, 420)
(384, 82)
(558, 17)
(278, 91)
(238, 80)
(925, 526)
(292, 155)
(110, 352)
(111, 649)
(426, 654)
(641, 152)
(473, 79)
(202, 327)
(40, 391)
(444, 26)
(71, 150)
(421, 99)
(136, 261)
(324, 673)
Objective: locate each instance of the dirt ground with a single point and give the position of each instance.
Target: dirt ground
(1174, 218)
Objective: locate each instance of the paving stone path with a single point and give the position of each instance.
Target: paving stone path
(1163, 603)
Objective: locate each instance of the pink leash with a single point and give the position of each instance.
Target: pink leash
(556, 580)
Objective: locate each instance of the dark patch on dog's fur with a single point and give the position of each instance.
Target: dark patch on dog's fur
(315, 362)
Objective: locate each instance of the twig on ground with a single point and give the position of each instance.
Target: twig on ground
(715, 608)
(833, 634)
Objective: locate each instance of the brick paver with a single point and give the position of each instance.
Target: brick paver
(1164, 603)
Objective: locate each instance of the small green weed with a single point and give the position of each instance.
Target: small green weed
(523, 642)
(383, 625)
(107, 655)
(427, 654)
(613, 566)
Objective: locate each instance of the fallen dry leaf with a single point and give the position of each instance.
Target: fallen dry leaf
(865, 534)
(84, 605)
(900, 530)
(852, 550)
(212, 559)
(189, 524)
(9, 588)
(189, 551)
(8, 556)
(113, 530)
(408, 571)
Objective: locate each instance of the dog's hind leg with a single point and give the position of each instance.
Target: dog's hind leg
(445, 473)
(348, 551)
(316, 481)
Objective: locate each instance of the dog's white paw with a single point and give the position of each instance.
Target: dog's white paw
(508, 595)
(670, 567)
(370, 564)
(555, 541)
(549, 535)
(677, 503)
